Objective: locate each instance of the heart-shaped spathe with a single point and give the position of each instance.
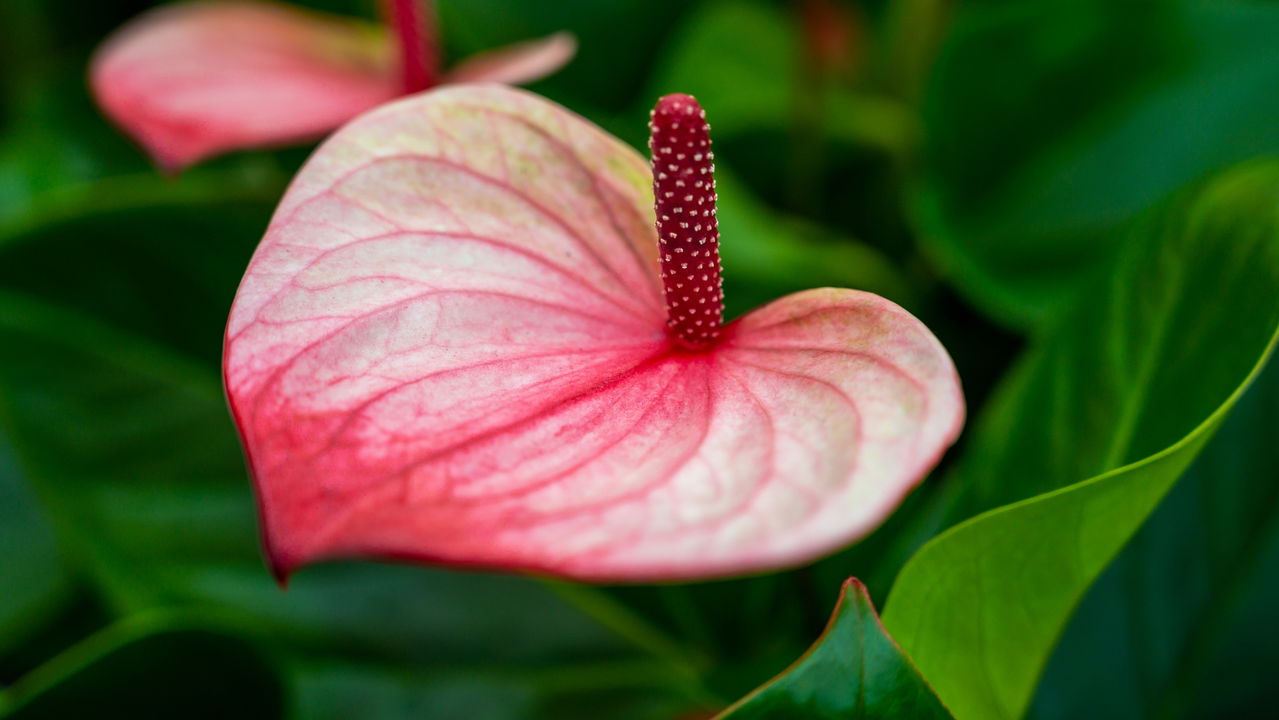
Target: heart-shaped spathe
(450, 347)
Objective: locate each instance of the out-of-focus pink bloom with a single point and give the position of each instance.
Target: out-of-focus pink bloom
(193, 80)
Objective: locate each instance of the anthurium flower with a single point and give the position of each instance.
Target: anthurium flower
(469, 338)
(197, 79)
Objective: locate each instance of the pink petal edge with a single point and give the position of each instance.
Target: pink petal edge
(193, 80)
(516, 64)
(449, 347)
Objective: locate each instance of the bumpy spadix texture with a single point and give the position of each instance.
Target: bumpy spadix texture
(192, 80)
(687, 229)
(451, 346)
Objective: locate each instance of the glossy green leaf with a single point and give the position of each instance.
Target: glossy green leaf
(1117, 399)
(151, 668)
(853, 671)
(1099, 109)
(1173, 628)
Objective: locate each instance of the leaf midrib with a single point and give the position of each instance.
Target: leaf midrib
(1142, 383)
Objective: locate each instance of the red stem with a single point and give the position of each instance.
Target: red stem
(687, 229)
(414, 24)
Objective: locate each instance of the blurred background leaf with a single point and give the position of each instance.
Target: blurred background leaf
(51, 135)
(772, 61)
(1052, 122)
(152, 667)
(772, 254)
(617, 41)
(32, 572)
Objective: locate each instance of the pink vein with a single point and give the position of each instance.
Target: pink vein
(546, 212)
(852, 404)
(536, 485)
(493, 242)
(874, 359)
(278, 372)
(369, 498)
(642, 267)
(660, 479)
(354, 413)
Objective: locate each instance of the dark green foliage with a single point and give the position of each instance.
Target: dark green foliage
(853, 672)
(143, 669)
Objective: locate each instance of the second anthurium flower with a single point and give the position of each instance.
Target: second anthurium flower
(480, 331)
(197, 79)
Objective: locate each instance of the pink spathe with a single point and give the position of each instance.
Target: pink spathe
(451, 346)
(193, 80)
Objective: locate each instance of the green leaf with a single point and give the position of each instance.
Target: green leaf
(1225, 681)
(157, 258)
(1124, 391)
(825, 145)
(32, 572)
(760, 89)
(1099, 110)
(617, 41)
(767, 255)
(1172, 625)
(628, 690)
(696, 64)
(56, 137)
(912, 31)
(854, 671)
(151, 668)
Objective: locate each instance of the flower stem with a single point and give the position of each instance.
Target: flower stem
(687, 229)
(414, 24)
